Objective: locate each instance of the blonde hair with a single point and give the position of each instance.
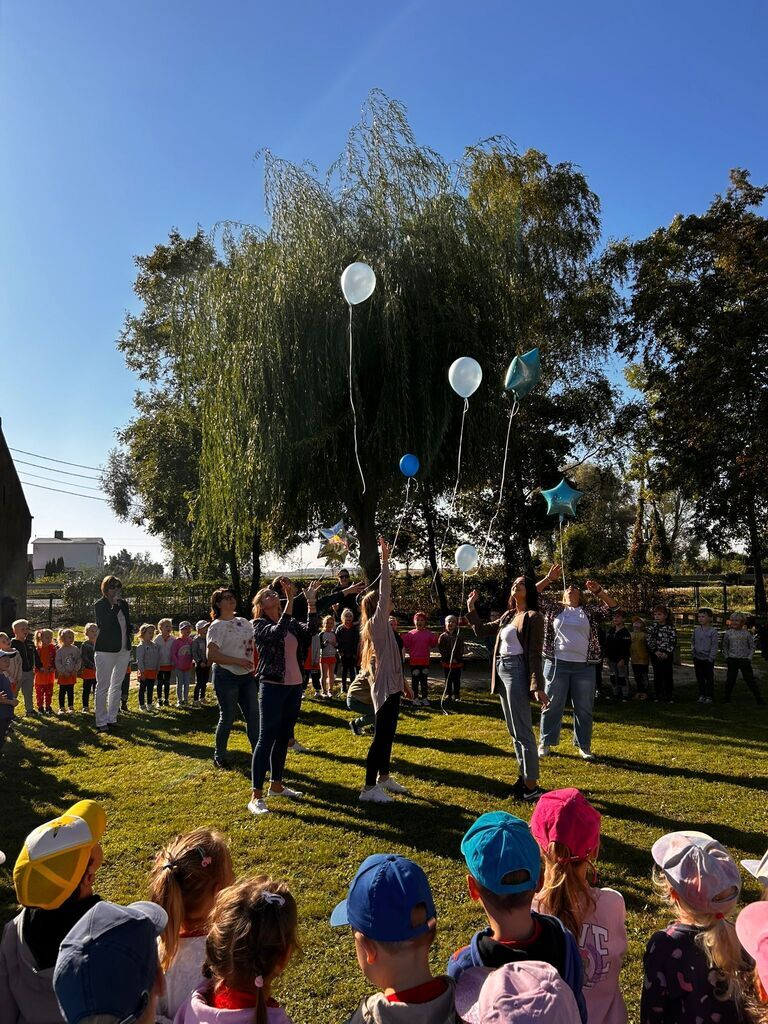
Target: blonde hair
(18, 623)
(144, 627)
(368, 606)
(164, 622)
(40, 634)
(67, 632)
(4, 636)
(347, 614)
(184, 880)
(252, 934)
(566, 893)
(327, 619)
(89, 626)
(259, 597)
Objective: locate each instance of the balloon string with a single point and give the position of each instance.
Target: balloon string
(402, 516)
(558, 631)
(352, 401)
(562, 557)
(512, 414)
(455, 490)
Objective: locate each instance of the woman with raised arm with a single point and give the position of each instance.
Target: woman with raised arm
(516, 674)
(571, 651)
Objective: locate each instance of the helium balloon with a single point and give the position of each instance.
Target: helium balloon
(523, 374)
(465, 375)
(466, 557)
(357, 283)
(562, 500)
(334, 543)
(409, 465)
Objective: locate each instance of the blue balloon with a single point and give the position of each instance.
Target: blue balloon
(409, 465)
(562, 500)
(523, 374)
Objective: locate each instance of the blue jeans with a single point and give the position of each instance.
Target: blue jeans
(279, 708)
(365, 711)
(563, 678)
(515, 696)
(183, 678)
(233, 692)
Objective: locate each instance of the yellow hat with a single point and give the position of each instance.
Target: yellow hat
(55, 855)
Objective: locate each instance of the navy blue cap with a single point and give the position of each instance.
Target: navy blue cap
(108, 962)
(382, 897)
(498, 844)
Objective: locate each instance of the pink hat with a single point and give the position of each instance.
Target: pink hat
(566, 816)
(700, 871)
(752, 930)
(527, 991)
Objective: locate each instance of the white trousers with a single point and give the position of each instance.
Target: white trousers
(110, 672)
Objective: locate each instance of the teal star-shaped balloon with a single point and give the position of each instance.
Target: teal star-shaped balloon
(334, 542)
(523, 374)
(562, 500)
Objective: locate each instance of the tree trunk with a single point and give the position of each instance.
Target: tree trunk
(256, 572)
(517, 542)
(362, 513)
(755, 554)
(428, 511)
(234, 573)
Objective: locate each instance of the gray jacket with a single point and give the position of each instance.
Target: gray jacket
(705, 642)
(147, 657)
(26, 993)
(377, 1009)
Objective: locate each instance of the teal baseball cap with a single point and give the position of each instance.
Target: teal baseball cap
(498, 844)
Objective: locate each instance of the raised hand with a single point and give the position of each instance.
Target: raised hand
(384, 547)
(472, 599)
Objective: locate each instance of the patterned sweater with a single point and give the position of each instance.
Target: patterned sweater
(661, 638)
(738, 643)
(595, 612)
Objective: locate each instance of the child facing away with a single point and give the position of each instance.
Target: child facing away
(200, 659)
(181, 660)
(695, 969)
(567, 828)
(45, 670)
(418, 643)
(738, 651)
(450, 643)
(164, 642)
(8, 699)
(348, 646)
(67, 662)
(147, 665)
(618, 644)
(752, 932)
(328, 650)
(14, 663)
(23, 643)
(504, 865)
(639, 656)
(392, 914)
(187, 876)
(88, 663)
(252, 937)
(661, 638)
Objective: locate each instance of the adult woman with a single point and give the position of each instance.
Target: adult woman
(279, 639)
(112, 650)
(571, 650)
(516, 674)
(381, 659)
(229, 649)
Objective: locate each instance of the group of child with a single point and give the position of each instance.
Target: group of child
(207, 947)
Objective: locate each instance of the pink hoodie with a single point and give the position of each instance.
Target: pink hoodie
(418, 643)
(196, 1010)
(181, 653)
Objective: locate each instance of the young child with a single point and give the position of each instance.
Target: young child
(311, 669)
(328, 649)
(567, 829)
(618, 643)
(181, 660)
(8, 700)
(24, 645)
(360, 700)
(88, 663)
(638, 653)
(738, 651)
(67, 662)
(450, 643)
(695, 969)
(393, 919)
(164, 642)
(418, 643)
(661, 639)
(348, 646)
(199, 657)
(14, 664)
(524, 993)
(250, 943)
(705, 642)
(504, 865)
(45, 670)
(147, 665)
(187, 876)
(752, 932)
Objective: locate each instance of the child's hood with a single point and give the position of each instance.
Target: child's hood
(197, 1010)
(377, 1009)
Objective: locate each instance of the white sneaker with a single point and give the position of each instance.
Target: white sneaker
(375, 795)
(298, 748)
(392, 785)
(544, 750)
(287, 792)
(258, 807)
(702, 700)
(587, 755)
(425, 703)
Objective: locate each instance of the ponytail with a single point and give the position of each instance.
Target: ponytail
(566, 893)
(368, 606)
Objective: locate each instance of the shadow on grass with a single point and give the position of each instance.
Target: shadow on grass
(758, 782)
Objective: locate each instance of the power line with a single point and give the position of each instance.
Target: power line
(37, 476)
(74, 494)
(52, 469)
(47, 458)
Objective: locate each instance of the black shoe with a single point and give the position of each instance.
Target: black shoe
(531, 795)
(219, 762)
(517, 790)
(356, 728)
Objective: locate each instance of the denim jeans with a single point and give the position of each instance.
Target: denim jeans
(365, 711)
(279, 707)
(576, 678)
(183, 679)
(515, 696)
(233, 692)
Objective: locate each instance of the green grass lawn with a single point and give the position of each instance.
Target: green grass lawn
(661, 767)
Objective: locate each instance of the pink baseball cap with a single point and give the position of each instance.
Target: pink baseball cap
(566, 816)
(525, 991)
(700, 870)
(752, 930)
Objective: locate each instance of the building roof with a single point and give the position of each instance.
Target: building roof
(68, 540)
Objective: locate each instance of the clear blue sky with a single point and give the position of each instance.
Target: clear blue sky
(122, 120)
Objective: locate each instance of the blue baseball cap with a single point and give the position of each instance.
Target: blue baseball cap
(382, 897)
(108, 964)
(496, 844)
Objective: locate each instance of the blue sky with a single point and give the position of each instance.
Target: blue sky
(120, 121)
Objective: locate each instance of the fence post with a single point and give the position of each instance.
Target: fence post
(725, 601)
(50, 611)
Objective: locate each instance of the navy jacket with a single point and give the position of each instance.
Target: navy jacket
(269, 638)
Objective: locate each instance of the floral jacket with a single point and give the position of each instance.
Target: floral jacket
(661, 637)
(269, 639)
(595, 612)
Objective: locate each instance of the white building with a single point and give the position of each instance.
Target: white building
(77, 552)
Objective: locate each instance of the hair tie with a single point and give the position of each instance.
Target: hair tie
(719, 916)
(273, 897)
(258, 981)
(169, 865)
(205, 858)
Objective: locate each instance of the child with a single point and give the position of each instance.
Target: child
(328, 648)
(181, 660)
(311, 669)
(393, 919)
(187, 876)
(88, 663)
(418, 643)
(348, 645)
(164, 643)
(504, 865)
(752, 932)
(67, 662)
(202, 668)
(738, 651)
(705, 642)
(8, 699)
(45, 670)
(567, 829)
(525, 993)
(250, 943)
(661, 639)
(695, 969)
(14, 664)
(24, 645)
(359, 699)
(618, 642)
(147, 665)
(451, 646)
(638, 653)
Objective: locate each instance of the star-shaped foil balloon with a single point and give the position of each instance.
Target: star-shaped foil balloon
(334, 543)
(523, 374)
(562, 500)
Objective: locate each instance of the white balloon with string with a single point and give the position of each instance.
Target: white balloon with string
(358, 283)
(466, 559)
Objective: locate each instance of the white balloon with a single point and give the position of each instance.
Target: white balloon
(465, 375)
(357, 283)
(466, 557)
